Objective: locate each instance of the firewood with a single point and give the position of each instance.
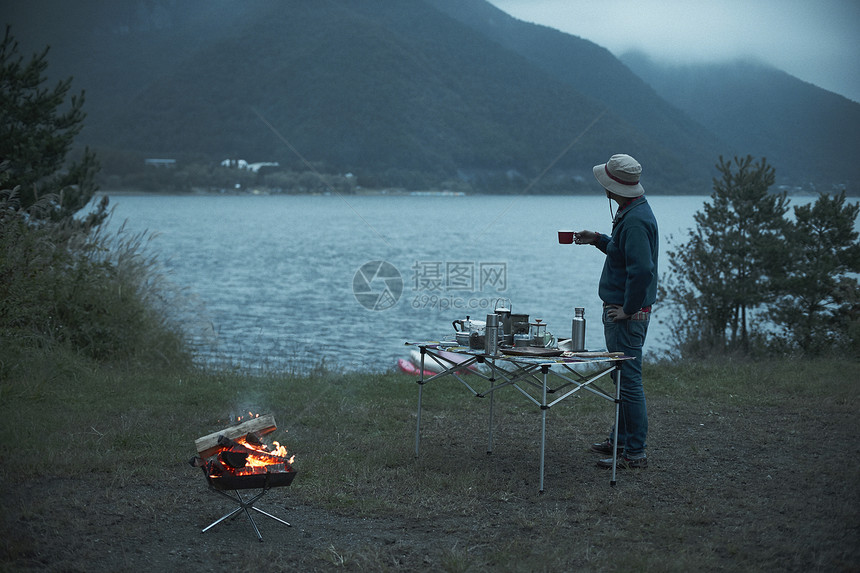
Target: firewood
(233, 459)
(225, 442)
(239, 448)
(208, 445)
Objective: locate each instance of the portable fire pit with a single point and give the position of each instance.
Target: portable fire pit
(236, 459)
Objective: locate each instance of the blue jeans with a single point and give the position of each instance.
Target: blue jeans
(628, 336)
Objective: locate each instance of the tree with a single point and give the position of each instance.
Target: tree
(37, 130)
(727, 267)
(62, 281)
(818, 306)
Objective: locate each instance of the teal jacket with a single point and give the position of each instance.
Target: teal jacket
(629, 277)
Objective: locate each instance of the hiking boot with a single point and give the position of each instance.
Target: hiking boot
(605, 448)
(624, 463)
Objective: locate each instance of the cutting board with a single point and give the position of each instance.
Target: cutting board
(532, 351)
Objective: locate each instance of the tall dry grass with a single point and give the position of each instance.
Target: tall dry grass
(102, 295)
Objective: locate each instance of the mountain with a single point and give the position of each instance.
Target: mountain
(593, 71)
(806, 133)
(443, 88)
(368, 87)
(362, 86)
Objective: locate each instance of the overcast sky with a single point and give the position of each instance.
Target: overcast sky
(817, 41)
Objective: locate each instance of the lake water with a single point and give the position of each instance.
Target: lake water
(287, 282)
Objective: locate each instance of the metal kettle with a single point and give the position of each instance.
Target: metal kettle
(465, 325)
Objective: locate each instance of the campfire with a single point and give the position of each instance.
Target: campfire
(236, 458)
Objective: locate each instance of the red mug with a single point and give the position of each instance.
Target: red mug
(565, 237)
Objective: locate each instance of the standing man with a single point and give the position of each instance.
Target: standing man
(628, 288)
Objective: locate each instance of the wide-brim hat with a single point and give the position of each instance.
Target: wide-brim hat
(620, 175)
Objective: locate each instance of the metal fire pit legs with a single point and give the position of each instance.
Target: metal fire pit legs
(244, 506)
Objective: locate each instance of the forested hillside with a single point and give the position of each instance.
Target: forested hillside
(806, 133)
(420, 91)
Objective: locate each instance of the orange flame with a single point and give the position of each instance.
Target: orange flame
(266, 458)
(261, 458)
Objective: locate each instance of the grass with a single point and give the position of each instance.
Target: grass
(724, 435)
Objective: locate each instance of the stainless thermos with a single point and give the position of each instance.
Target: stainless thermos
(491, 339)
(577, 334)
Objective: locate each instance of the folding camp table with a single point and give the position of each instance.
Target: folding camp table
(535, 377)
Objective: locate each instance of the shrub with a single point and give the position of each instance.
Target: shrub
(102, 296)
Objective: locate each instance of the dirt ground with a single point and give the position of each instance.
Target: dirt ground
(768, 488)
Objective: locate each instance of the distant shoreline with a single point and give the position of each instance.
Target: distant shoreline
(388, 193)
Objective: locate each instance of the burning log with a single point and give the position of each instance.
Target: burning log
(254, 439)
(261, 453)
(240, 460)
(233, 459)
(251, 443)
(208, 445)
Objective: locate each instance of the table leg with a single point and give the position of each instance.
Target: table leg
(543, 409)
(616, 375)
(492, 406)
(420, 395)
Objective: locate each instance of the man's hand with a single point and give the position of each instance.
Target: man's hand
(585, 237)
(615, 312)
